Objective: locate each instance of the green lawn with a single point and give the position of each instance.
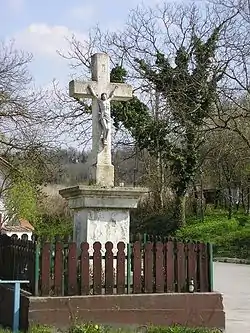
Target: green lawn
(92, 328)
(231, 238)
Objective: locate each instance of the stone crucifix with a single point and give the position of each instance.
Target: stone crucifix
(102, 91)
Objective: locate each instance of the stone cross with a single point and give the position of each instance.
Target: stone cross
(102, 170)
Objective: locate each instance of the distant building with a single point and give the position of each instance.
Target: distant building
(22, 229)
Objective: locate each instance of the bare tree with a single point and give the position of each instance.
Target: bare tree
(226, 167)
(167, 28)
(71, 116)
(22, 108)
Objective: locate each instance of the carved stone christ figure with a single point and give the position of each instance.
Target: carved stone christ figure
(104, 111)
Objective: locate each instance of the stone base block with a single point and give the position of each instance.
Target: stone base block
(102, 214)
(102, 225)
(190, 310)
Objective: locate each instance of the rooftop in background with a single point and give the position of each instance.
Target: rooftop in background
(16, 228)
(21, 225)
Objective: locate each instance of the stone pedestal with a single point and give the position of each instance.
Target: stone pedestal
(101, 211)
(102, 214)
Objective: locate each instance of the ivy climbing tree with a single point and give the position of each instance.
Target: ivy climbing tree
(189, 89)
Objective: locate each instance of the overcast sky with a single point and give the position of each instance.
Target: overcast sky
(40, 27)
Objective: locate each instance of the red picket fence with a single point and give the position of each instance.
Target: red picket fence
(139, 268)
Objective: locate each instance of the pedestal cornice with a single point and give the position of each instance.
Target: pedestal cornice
(102, 197)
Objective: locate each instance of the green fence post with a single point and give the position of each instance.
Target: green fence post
(37, 268)
(128, 267)
(211, 267)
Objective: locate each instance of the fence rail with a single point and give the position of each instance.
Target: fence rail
(58, 269)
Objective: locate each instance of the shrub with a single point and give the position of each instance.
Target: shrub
(160, 225)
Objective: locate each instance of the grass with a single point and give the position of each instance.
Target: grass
(92, 328)
(231, 238)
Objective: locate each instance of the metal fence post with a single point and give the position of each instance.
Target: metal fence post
(128, 267)
(16, 312)
(16, 305)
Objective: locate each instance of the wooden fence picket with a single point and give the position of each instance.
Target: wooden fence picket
(192, 263)
(137, 286)
(85, 287)
(181, 267)
(203, 267)
(45, 269)
(58, 272)
(97, 269)
(109, 269)
(159, 268)
(120, 271)
(72, 270)
(169, 266)
(148, 268)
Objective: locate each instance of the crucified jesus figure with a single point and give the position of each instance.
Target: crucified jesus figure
(104, 111)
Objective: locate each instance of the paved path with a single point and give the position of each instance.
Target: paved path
(233, 281)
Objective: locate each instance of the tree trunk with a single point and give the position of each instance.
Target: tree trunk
(160, 179)
(196, 202)
(230, 204)
(238, 199)
(243, 200)
(202, 202)
(248, 200)
(217, 201)
(180, 211)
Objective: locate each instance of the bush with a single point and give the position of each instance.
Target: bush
(50, 226)
(159, 225)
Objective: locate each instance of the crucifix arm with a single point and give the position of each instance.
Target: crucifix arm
(111, 95)
(92, 91)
